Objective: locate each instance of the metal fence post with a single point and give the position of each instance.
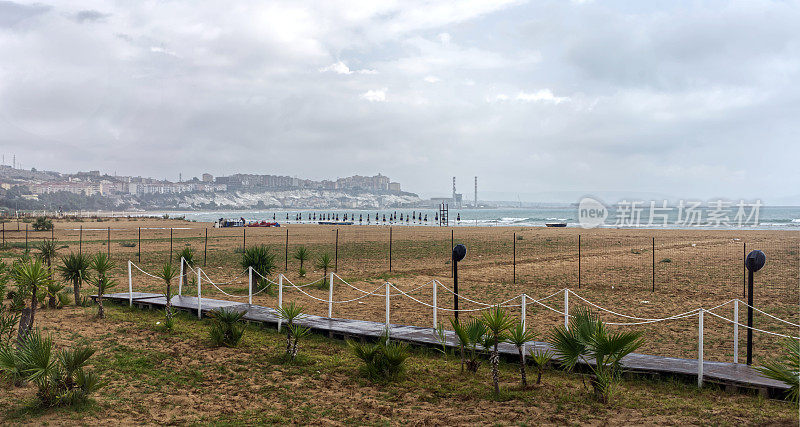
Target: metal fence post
(579, 261)
(336, 257)
(250, 285)
(700, 350)
(654, 264)
(566, 308)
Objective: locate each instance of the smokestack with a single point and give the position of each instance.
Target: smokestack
(476, 191)
(454, 190)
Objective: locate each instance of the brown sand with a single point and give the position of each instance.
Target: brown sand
(693, 268)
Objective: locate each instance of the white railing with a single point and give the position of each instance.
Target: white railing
(390, 290)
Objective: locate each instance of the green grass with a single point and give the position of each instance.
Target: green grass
(150, 373)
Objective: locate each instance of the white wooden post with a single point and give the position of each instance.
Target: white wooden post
(736, 331)
(522, 320)
(700, 350)
(330, 297)
(250, 285)
(387, 304)
(435, 323)
(280, 298)
(199, 295)
(130, 285)
(180, 279)
(566, 308)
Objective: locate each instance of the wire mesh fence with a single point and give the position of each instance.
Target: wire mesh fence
(509, 258)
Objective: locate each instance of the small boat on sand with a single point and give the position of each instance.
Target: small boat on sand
(555, 224)
(262, 224)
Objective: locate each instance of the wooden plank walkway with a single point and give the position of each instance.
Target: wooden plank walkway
(730, 375)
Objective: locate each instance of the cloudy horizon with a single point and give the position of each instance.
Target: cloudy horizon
(686, 99)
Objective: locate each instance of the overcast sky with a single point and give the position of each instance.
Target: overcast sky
(687, 99)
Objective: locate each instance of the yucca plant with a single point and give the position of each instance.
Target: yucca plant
(497, 324)
(384, 360)
(786, 368)
(541, 358)
(30, 275)
(471, 338)
(261, 258)
(441, 338)
(290, 313)
(8, 322)
(587, 340)
(102, 264)
(61, 378)
(187, 254)
(519, 336)
(226, 331)
(301, 254)
(48, 250)
(167, 273)
(75, 268)
(324, 263)
(55, 298)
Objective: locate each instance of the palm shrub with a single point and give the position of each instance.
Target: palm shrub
(324, 263)
(75, 269)
(167, 273)
(30, 275)
(290, 313)
(48, 250)
(519, 336)
(54, 295)
(187, 254)
(301, 254)
(540, 360)
(226, 331)
(471, 337)
(60, 377)
(8, 322)
(384, 360)
(497, 324)
(786, 368)
(588, 340)
(261, 258)
(101, 264)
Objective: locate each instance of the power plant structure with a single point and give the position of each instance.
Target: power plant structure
(457, 197)
(476, 193)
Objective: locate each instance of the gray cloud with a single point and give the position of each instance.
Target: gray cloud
(12, 14)
(90, 16)
(687, 99)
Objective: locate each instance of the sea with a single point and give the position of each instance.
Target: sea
(705, 217)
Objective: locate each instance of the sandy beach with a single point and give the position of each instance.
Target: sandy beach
(693, 268)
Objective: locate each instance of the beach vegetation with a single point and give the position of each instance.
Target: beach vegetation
(588, 340)
(262, 260)
(226, 329)
(384, 360)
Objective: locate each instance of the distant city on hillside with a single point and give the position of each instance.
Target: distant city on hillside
(31, 189)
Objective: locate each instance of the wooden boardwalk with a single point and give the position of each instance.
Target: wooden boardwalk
(730, 375)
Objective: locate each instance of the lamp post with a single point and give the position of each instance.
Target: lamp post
(459, 252)
(755, 261)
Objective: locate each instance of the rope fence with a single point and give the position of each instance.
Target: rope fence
(390, 290)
